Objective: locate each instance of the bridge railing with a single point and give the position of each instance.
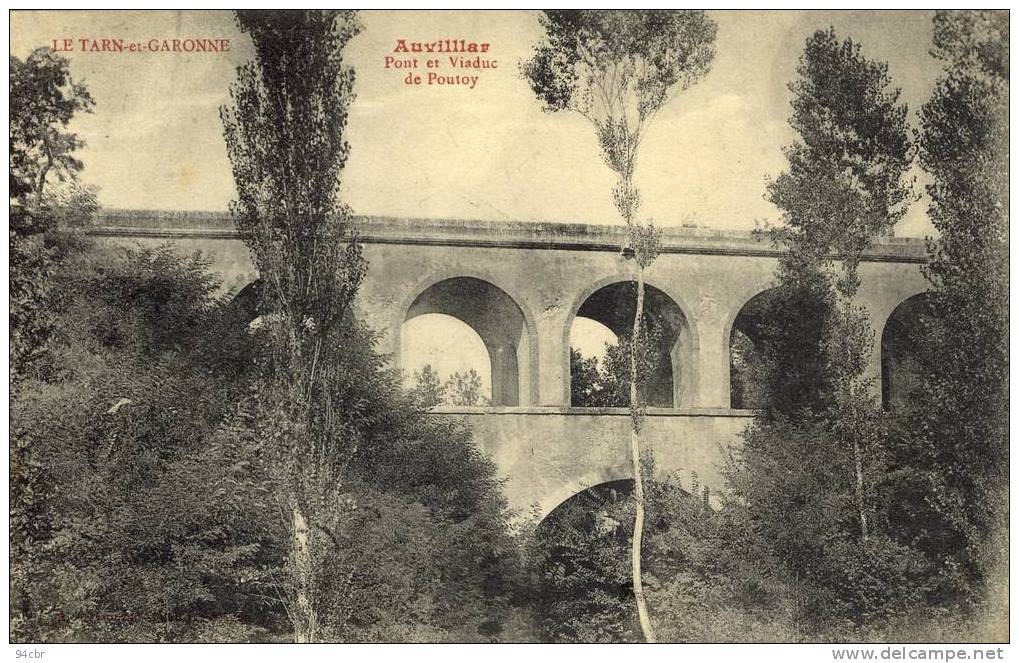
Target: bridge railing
(719, 412)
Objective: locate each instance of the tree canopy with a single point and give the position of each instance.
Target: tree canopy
(956, 454)
(44, 100)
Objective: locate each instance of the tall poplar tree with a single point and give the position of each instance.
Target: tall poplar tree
(284, 131)
(957, 452)
(617, 69)
(844, 188)
(814, 455)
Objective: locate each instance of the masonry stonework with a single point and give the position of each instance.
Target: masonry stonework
(538, 277)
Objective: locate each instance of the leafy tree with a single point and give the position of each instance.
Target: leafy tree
(954, 458)
(284, 135)
(428, 390)
(606, 383)
(617, 69)
(464, 388)
(582, 587)
(44, 99)
(623, 356)
(844, 187)
(586, 381)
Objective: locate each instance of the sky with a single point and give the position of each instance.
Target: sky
(155, 140)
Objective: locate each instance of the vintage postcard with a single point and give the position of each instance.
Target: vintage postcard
(517, 326)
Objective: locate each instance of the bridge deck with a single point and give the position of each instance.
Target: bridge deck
(492, 234)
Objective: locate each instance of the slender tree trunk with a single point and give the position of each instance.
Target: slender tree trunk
(45, 170)
(636, 421)
(860, 505)
(844, 303)
(304, 615)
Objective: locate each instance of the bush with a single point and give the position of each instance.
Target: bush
(117, 420)
(149, 515)
(703, 583)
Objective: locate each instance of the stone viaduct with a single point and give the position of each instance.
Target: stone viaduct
(520, 286)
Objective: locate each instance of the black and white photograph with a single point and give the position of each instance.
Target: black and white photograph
(521, 326)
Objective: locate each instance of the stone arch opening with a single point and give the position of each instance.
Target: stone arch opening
(249, 300)
(900, 370)
(613, 306)
(587, 510)
(582, 550)
(746, 376)
(496, 318)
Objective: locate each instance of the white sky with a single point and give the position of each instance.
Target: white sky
(590, 337)
(155, 139)
(447, 345)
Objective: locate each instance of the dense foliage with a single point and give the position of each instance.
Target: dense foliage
(704, 583)
(953, 457)
(814, 462)
(462, 388)
(605, 381)
(130, 531)
(156, 519)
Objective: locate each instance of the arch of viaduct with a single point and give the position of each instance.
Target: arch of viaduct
(520, 285)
